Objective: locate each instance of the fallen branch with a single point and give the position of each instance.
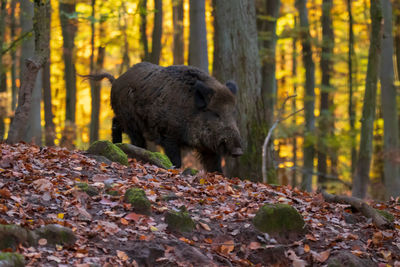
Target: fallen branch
(378, 220)
(279, 119)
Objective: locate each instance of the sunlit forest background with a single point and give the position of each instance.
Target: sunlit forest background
(115, 29)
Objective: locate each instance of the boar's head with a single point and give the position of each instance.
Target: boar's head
(214, 127)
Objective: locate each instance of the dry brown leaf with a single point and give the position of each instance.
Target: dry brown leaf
(254, 245)
(122, 255)
(205, 226)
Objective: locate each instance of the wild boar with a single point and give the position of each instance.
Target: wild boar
(176, 107)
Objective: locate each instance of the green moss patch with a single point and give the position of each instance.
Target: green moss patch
(8, 259)
(163, 160)
(108, 150)
(56, 234)
(387, 215)
(179, 220)
(137, 197)
(278, 218)
(12, 235)
(88, 189)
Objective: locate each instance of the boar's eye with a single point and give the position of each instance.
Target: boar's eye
(232, 87)
(202, 95)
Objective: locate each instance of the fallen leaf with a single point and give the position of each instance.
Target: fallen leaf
(122, 255)
(227, 247)
(133, 216)
(254, 245)
(42, 242)
(205, 226)
(5, 193)
(306, 248)
(124, 221)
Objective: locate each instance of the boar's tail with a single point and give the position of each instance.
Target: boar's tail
(99, 77)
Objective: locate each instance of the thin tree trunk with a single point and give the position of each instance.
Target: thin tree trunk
(326, 88)
(389, 105)
(69, 28)
(397, 39)
(3, 77)
(198, 55)
(157, 33)
(126, 62)
(236, 57)
(50, 132)
(179, 49)
(13, 27)
(351, 106)
(294, 106)
(142, 6)
(41, 27)
(361, 178)
(309, 97)
(33, 131)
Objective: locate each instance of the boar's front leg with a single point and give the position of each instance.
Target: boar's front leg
(211, 161)
(116, 131)
(136, 137)
(173, 151)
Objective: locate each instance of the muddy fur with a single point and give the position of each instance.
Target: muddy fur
(175, 107)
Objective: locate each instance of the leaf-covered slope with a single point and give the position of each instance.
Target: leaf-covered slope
(39, 186)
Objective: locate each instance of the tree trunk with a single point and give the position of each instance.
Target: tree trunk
(397, 39)
(13, 27)
(68, 27)
(126, 62)
(179, 48)
(294, 106)
(268, 86)
(50, 131)
(389, 105)
(142, 6)
(3, 77)
(157, 33)
(34, 129)
(351, 107)
(361, 178)
(325, 118)
(198, 55)
(41, 27)
(309, 97)
(96, 89)
(236, 57)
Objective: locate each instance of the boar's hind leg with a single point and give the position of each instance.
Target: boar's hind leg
(116, 131)
(137, 138)
(211, 162)
(173, 152)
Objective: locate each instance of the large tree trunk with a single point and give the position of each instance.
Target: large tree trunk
(361, 178)
(34, 130)
(198, 55)
(325, 118)
(351, 106)
(236, 57)
(397, 39)
(270, 12)
(3, 77)
(157, 33)
(41, 27)
(68, 27)
(13, 27)
(309, 96)
(177, 11)
(389, 106)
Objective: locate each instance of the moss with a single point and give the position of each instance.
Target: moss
(8, 259)
(113, 193)
(190, 171)
(56, 234)
(108, 150)
(88, 189)
(12, 235)
(161, 158)
(278, 218)
(137, 197)
(179, 220)
(388, 216)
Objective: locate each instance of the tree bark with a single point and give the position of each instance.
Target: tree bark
(126, 62)
(3, 77)
(397, 39)
(294, 105)
(41, 27)
(361, 178)
(351, 106)
(179, 49)
(157, 33)
(68, 27)
(389, 106)
(33, 132)
(142, 6)
(236, 57)
(309, 97)
(325, 118)
(13, 27)
(198, 55)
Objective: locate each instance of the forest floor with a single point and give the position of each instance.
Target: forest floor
(38, 187)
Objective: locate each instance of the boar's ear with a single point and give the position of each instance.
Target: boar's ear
(232, 87)
(202, 94)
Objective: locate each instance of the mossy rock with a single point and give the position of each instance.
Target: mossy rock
(113, 193)
(88, 189)
(347, 259)
(190, 171)
(8, 259)
(155, 158)
(179, 221)
(387, 215)
(137, 197)
(108, 150)
(12, 235)
(278, 218)
(56, 234)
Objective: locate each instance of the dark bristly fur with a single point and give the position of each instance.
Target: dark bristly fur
(175, 107)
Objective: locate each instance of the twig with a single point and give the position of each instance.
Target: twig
(16, 41)
(279, 119)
